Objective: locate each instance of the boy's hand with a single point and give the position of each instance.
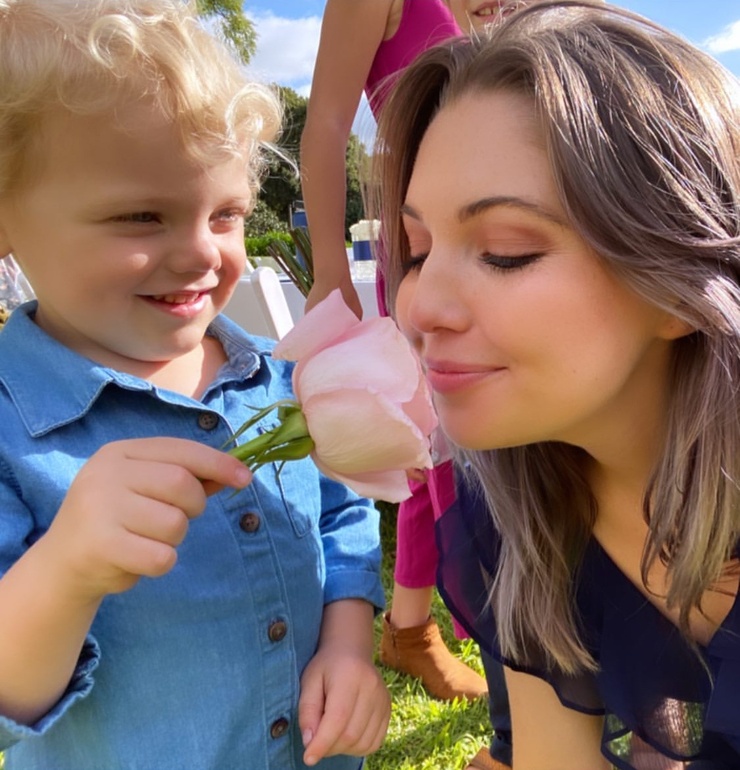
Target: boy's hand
(129, 508)
(344, 706)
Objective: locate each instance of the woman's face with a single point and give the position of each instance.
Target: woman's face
(525, 335)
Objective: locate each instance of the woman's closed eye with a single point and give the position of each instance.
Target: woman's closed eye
(501, 262)
(413, 262)
(506, 262)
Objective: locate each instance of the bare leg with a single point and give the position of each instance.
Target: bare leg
(411, 606)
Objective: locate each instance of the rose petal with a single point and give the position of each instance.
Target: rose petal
(322, 324)
(391, 486)
(421, 409)
(374, 355)
(360, 431)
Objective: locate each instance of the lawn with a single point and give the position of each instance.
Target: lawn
(424, 733)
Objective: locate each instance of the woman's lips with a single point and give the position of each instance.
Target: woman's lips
(449, 377)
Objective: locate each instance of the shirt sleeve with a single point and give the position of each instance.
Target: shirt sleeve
(350, 535)
(17, 530)
(80, 685)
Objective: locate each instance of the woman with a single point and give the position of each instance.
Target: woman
(562, 206)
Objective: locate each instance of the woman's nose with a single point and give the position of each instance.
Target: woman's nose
(432, 297)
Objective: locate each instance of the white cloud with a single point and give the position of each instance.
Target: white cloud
(286, 50)
(727, 40)
(286, 54)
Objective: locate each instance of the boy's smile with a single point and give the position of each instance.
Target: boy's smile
(132, 247)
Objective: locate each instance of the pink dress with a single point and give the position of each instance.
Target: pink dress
(424, 23)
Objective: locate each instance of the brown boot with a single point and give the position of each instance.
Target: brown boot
(484, 761)
(421, 652)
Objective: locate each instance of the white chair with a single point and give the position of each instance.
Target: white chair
(259, 306)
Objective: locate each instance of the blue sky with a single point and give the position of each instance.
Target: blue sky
(289, 34)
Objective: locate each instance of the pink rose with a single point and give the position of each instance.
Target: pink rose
(363, 410)
(364, 398)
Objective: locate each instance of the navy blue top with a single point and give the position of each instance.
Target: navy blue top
(661, 706)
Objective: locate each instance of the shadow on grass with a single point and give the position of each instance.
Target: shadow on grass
(424, 733)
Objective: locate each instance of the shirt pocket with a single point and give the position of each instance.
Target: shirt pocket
(299, 487)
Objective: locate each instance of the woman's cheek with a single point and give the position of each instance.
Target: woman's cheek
(404, 300)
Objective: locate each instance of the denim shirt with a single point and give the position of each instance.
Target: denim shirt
(199, 668)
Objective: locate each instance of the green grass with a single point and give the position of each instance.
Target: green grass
(424, 733)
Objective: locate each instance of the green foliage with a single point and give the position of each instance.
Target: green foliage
(264, 220)
(283, 185)
(237, 29)
(258, 245)
(298, 269)
(357, 161)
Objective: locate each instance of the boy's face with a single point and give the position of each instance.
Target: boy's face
(131, 247)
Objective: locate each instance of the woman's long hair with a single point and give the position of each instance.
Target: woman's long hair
(642, 133)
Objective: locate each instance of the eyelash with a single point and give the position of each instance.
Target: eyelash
(499, 263)
(507, 264)
(136, 217)
(414, 262)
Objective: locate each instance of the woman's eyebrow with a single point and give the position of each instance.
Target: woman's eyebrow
(478, 207)
(482, 205)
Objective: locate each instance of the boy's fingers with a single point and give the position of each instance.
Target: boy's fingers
(332, 725)
(310, 712)
(215, 468)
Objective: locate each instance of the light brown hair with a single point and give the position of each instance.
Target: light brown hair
(642, 132)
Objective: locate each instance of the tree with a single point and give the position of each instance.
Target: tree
(235, 26)
(357, 166)
(282, 187)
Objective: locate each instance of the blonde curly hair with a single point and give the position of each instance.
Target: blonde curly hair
(92, 57)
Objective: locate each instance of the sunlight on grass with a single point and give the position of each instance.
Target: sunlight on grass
(424, 733)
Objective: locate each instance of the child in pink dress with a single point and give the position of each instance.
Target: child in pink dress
(394, 32)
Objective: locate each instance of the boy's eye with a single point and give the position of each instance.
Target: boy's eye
(139, 217)
(231, 215)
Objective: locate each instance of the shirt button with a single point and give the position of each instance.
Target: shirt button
(277, 630)
(279, 727)
(207, 420)
(249, 522)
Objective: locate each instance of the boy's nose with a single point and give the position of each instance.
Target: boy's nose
(197, 250)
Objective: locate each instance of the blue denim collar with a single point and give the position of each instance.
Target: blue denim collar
(26, 352)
